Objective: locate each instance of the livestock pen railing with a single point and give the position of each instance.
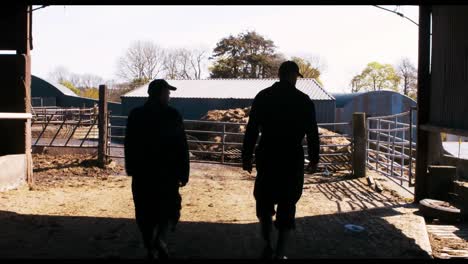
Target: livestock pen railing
(64, 127)
(221, 142)
(391, 146)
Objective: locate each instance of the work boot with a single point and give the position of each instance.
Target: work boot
(161, 241)
(280, 257)
(163, 252)
(283, 238)
(267, 252)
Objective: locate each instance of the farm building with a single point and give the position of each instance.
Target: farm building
(48, 94)
(194, 98)
(374, 103)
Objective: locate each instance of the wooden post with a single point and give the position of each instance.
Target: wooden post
(360, 143)
(102, 125)
(424, 51)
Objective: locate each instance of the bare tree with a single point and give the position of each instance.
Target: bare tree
(198, 58)
(59, 74)
(90, 81)
(75, 79)
(185, 63)
(171, 64)
(409, 76)
(143, 60)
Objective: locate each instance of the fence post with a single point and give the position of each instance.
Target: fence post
(410, 177)
(360, 138)
(223, 141)
(102, 125)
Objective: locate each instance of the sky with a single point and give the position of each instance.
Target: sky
(90, 39)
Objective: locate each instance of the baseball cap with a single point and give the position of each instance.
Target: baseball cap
(289, 67)
(158, 84)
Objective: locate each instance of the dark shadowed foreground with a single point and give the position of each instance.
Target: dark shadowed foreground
(93, 217)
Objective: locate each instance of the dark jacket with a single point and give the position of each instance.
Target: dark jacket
(283, 115)
(156, 145)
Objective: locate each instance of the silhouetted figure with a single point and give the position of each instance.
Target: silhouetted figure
(283, 115)
(157, 158)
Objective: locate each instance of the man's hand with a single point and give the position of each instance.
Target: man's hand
(311, 168)
(182, 183)
(247, 166)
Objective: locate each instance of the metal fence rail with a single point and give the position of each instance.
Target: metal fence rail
(391, 146)
(221, 142)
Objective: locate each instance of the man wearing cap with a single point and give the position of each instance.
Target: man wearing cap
(283, 115)
(157, 158)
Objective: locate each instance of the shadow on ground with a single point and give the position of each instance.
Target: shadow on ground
(322, 236)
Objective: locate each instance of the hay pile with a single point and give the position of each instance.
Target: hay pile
(240, 117)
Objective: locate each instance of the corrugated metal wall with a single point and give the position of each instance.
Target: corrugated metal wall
(379, 103)
(325, 111)
(195, 108)
(449, 67)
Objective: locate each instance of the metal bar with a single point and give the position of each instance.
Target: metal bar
(56, 133)
(388, 149)
(116, 146)
(334, 124)
(390, 136)
(389, 116)
(204, 132)
(332, 145)
(115, 157)
(207, 152)
(55, 122)
(398, 123)
(110, 136)
(69, 146)
(73, 132)
(393, 151)
(334, 163)
(396, 164)
(241, 124)
(43, 130)
(332, 136)
(335, 154)
(108, 140)
(406, 157)
(233, 143)
(204, 142)
(222, 145)
(368, 139)
(390, 176)
(401, 143)
(378, 143)
(402, 161)
(411, 148)
(385, 146)
(388, 130)
(89, 130)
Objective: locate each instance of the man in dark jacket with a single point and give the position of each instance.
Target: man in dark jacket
(283, 115)
(157, 158)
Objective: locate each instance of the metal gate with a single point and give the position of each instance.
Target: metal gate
(64, 127)
(391, 146)
(221, 142)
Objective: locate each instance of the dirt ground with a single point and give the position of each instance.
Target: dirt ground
(443, 245)
(77, 210)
